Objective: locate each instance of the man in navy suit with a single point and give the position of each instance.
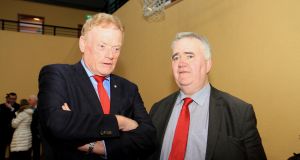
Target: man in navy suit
(211, 124)
(74, 123)
(7, 113)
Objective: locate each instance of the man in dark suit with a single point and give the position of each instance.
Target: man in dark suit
(199, 121)
(88, 113)
(36, 141)
(7, 113)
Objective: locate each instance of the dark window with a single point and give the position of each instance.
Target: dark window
(31, 24)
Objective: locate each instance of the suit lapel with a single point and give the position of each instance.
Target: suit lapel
(87, 87)
(214, 123)
(164, 117)
(115, 95)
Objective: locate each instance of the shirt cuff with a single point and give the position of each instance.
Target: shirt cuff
(105, 154)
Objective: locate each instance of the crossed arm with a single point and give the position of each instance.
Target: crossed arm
(124, 123)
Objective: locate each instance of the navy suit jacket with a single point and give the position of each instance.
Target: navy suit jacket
(232, 132)
(63, 131)
(6, 116)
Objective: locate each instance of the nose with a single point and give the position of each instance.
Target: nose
(109, 53)
(182, 62)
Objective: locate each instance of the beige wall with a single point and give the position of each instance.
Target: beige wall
(54, 15)
(255, 53)
(22, 55)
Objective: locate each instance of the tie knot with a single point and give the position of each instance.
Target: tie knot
(187, 101)
(99, 78)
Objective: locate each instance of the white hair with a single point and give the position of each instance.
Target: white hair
(202, 39)
(33, 97)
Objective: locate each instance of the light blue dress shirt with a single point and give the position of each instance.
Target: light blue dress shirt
(106, 82)
(198, 130)
(106, 85)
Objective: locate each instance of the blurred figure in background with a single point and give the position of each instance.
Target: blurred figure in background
(7, 113)
(32, 100)
(20, 146)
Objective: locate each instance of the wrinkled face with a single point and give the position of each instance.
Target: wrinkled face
(101, 48)
(32, 102)
(11, 99)
(190, 68)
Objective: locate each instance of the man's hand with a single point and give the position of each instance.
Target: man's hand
(98, 148)
(65, 107)
(126, 124)
(8, 105)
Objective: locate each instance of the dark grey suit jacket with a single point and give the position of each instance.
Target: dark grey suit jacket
(232, 132)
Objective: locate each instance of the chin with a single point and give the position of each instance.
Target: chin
(185, 80)
(107, 73)
(184, 83)
(105, 70)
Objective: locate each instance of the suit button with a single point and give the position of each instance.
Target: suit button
(102, 133)
(109, 132)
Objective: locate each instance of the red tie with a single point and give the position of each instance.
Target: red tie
(181, 132)
(104, 99)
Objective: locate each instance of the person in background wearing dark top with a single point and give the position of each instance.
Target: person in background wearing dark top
(85, 111)
(7, 113)
(200, 122)
(32, 100)
(20, 147)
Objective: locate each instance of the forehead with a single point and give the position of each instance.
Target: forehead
(106, 34)
(188, 44)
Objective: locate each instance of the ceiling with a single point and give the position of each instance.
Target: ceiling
(107, 6)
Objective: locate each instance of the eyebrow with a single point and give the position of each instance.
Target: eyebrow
(187, 53)
(174, 55)
(117, 45)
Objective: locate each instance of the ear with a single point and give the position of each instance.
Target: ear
(82, 42)
(208, 65)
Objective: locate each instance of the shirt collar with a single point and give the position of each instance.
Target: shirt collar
(89, 73)
(198, 97)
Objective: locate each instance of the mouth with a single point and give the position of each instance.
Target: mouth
(108, 64)
(183, 72)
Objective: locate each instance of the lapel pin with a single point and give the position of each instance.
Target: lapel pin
(115, 86)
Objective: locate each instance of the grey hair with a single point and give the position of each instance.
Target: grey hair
(202, 39)
(33, 97)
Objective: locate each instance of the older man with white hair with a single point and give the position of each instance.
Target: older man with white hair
(199, 121)
(32, 100)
